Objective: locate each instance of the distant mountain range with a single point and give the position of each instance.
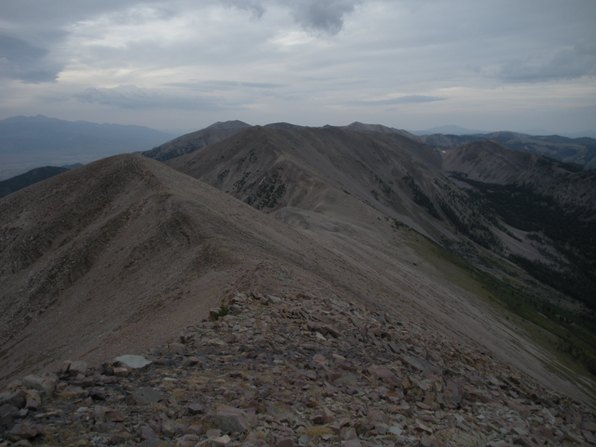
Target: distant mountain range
(28, 142)
(579, 151)
(458, 130)
(449, 129)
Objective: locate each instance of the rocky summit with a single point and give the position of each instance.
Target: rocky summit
(293, 370)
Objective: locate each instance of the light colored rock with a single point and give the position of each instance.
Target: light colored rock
(45, 384)
(222, 440)
(384, 374)
(33, 400)
(25, 430)
(76, 367)
(146, 395)
(188, 440)
(232, 420)
(133, 361)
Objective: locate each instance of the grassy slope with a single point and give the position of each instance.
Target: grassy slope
(567, 334)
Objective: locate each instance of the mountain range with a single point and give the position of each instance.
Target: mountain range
(489, 247)
(579, 151)
(28, 142)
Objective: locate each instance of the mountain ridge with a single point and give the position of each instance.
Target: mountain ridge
(137, 250)
(195, 140)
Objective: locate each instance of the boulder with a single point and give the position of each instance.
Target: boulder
(133, 361)
(232, 420)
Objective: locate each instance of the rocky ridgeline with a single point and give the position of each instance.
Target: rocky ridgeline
(293, 371)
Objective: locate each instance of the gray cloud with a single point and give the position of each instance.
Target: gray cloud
(226, 85)
(313, 15)
(136, 98)
(298, 60)
(59, 12)
(255, 7)
(566, 63)
(326, 16)
(407, 99)
(21, 60)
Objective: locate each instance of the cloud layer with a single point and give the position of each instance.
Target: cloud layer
(404, 63)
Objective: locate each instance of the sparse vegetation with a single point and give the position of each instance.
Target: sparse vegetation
(570, 229)
(269, 192)
(421, 198)
(572, 333)
(219, 313)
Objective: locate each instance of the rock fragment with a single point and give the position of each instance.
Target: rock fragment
(133, 361)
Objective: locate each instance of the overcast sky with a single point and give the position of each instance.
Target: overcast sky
(183, 64)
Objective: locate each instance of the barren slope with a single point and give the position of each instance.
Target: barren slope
(356, 193)
(118, 254)
(195, 140)
(489, 162)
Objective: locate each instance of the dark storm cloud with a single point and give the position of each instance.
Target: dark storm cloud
(136, 98)
(326, 16)
(314, 15)
(21, 60)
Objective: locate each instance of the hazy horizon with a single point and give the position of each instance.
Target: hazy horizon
(179, 65)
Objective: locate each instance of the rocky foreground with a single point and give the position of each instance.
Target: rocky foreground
(293, 371)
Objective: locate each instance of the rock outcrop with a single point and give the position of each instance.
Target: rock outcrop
(289, 371)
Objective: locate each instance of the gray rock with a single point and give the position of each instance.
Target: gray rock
(146, 395)
(33, 400)
(16, 398)
(352, 443)
(231, 420)
(384, 374)
(213, 433)
(46, 384)
(133, 361)
(73, 392)
(195, 408)
(25, 430)
(108, 414)
(8, 413)
(148, 434)
(221, 441)
(187, 440)
(77, 367)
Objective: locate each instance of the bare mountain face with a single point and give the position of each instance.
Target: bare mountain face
(579, 151)
(120, 255)
(378, 128)
(300, 168)
(195, 140)
(337, 183)
(31, 177)
(550, 205)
